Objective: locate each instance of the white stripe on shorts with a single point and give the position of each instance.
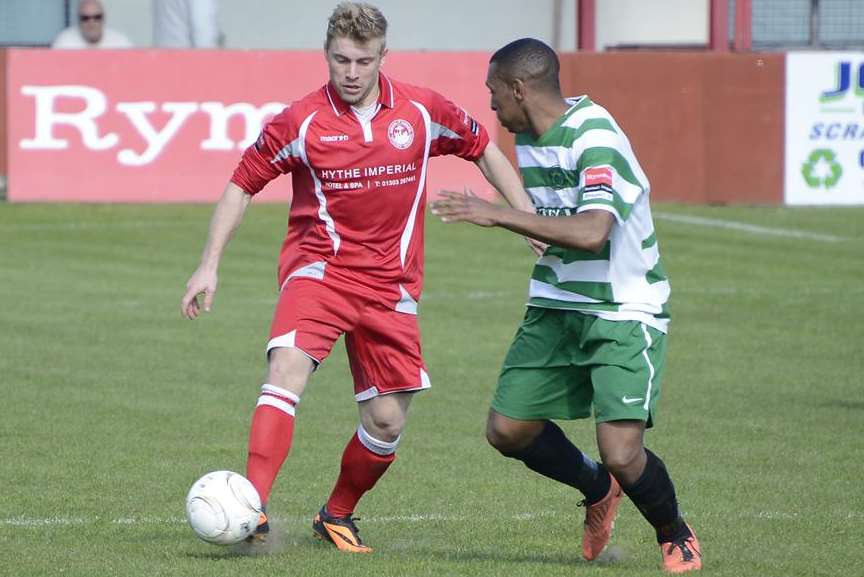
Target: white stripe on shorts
(288, 341)
(373, 391)
(648, 343)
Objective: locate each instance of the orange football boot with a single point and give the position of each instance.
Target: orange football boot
(682, 554)
(261, 531)
(599, 519)
(341, 531)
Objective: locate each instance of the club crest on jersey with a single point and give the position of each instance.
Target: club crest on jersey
(557, 177)
(401, 134)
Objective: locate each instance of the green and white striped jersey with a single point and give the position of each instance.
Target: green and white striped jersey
(585, 162)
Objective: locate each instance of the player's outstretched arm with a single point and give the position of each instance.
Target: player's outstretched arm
(227, 216)
(584, 231)
(500, 174)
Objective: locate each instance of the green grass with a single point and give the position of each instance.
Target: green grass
(112, 405)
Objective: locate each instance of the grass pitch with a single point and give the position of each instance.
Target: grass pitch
(112, 405)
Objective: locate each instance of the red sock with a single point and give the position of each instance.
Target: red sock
(270, 437)
(361, 469)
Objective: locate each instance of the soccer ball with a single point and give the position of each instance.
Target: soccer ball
(223, 507)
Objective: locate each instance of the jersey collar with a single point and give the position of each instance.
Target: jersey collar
(386, 96)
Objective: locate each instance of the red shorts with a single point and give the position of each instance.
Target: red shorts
(383, 345)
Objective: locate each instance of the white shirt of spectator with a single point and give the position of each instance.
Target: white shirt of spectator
(185, 24)
(72, 38)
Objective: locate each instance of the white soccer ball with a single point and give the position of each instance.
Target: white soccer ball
(223, 507)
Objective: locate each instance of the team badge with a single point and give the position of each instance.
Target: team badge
(557, 177)
(400, 133)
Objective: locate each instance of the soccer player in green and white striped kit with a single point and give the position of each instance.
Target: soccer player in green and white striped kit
(594, 334)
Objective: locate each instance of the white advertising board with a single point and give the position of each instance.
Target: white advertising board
(824, 128)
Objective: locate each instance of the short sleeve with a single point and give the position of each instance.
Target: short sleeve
(607, 181)
(454, 131)
(275, 152)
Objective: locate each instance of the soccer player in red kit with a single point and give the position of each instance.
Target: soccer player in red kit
(352, 262)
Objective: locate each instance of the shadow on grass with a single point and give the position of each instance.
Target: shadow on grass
(840, 404)
(275, 545)
(612, 557)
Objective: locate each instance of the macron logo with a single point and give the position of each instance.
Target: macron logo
(334, 137)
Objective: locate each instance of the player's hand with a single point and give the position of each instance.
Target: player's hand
(202, 282)
(464, 207)
(538, 247)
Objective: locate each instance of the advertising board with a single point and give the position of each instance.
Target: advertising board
(170, 126)
(824, 128)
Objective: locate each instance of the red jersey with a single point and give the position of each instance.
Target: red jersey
(359, 185)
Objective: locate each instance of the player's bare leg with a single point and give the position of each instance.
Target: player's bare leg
(384, 416)
(368, 455)
(544, 448)
(644, 479)
(290, 368)
(621, 449)
(511, 436)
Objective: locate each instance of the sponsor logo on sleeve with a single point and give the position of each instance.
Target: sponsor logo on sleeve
(598, 176)
(598, 184)
(401, 134)
(597, 194)
(470, 122)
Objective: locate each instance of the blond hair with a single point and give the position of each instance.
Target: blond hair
(358, 21)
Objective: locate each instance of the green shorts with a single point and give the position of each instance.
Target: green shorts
(563, 362)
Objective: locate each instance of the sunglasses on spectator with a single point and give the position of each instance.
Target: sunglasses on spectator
(86, 17)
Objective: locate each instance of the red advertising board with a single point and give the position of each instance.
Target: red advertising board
(169, 126)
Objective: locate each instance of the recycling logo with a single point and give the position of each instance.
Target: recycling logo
(822, 169)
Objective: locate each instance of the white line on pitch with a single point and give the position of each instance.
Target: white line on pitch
(743, 226)
(24, 522)
(416, 518)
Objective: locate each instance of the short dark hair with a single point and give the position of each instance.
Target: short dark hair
(529, 60)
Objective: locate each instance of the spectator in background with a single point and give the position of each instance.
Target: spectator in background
(91, 31)
(185, 24)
